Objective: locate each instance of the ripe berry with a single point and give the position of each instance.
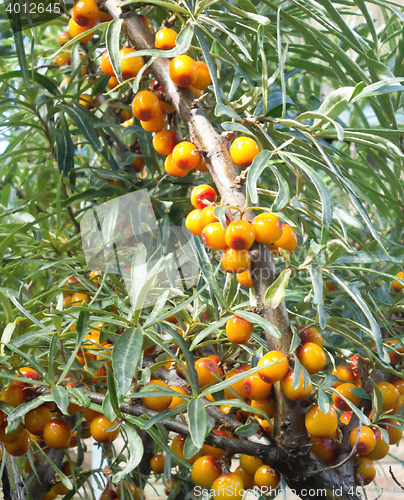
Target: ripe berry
(204, 80)
(201, 167)
(239, 330)
(156, 124)
(267, 227)
(275, 366)
(78, 298)
(396, 285)
(145, 106)
(202, 194)
(310, 335)
(165, 141)
(207, 370)
(193, 222)
(366, 441)
(90, 414)
(228, 486)
(243, 151)
(235, 261)
(183, 71)
(288, 241)
(103, 17)
(381, 449)
(312, 357)
(165, 39)
(248, 479)
(57, 434)
(157, 403)
(346, 391)
(76, 30)
(345, 418)
(267, 477)
(10, 438)
(365, 471)
(157, 464)
(177, 447)
(325, 449)
(344, 373)
(213, 236)
(237, 387)
(20, 446)
(184, 155)
(400, 385)
(239, 235)
(395, 351)
(205, 471)
(85, 13)
(208, 216)
(245, 279)
(98, 428)
(319, 424)
(255, 388)
(177, 401)
(63, 38)
(106, 65)
(112, 82)
(395, 434)
(36, 419)
(130, 63)
(146, 23)
(390, 395)
(13, 395)
(173, 170)
(63, 59)
(250, 464)
(88, 102)
(138, 164)
(295, 394)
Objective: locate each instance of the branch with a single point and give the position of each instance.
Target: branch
(394, 478)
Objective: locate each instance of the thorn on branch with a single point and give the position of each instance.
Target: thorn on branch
(240, 179)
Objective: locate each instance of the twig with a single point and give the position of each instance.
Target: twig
(395, 479)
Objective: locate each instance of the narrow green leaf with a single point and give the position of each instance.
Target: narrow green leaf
(135, 447)
(84, 124)
(258, 165)
(197, 422)
(112, 37)
(125, 357)
(61, 398)
(276, 292)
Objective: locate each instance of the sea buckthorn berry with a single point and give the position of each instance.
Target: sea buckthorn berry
(183, 71)
(395, 434)
(250, 464)
(319, 424)
(295, 394)
(201, 167)
(345, 374)
(51, 495)
(396, 285)
(365, 471)
(238, 386)
(165, 141)
(346, 391)
(267, 477)
(125, 115)
(228, 486)
(87, 101)
(243, 151)
(76, 30)
(177, 401)
(98, 428)
(10, 438)
(366, 441)
(156, 124)
(203, 80)
(193, 222)
(13, 395)
(85, 13)
(213, 236)
(235, 261)
(265, 405)
(207, 369)
(185, 155)
(275, 366)
(78, 298)
(202, 194)
(208, 216)
(130, 63)
(255, 388)
(310, 335)
(57, 434)
(381, 449)
(147, 23)
(345, 418)
(166, 108)
(90, 414)
(396, 353)
(400, 385)
(106, 65)
(63, 59)
(103, 17)
(267, 227)
(239, 330)
(240, 235)
(390, 395)
(36, 419)
(205, 470)
(165, 39)
(248, 479)
(245, 279)
(157, 464)
(156, 403)
(63, 38)
(112, 82)
(173, 170)
(138, 164)
(325, 449)
(145, 106)
(288, 241)
(177, 447)
(312, 357)
(20, 446)
(26, 372)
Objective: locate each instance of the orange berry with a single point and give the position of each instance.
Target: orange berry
(267, 477)
(78, 298)
(177, 447)
(400, 385)
(138, 164)
(176, 400)
(85, 13)
(396, 285)
(312, 357)
(106, 65)
(240, 235)
(185, 155)
(365, 471)
(346, 391)
(395, 434)
(213, 236)
(208, 216)
(98, 428)
(157, 464)
(157, 403)
(267, 227)
(26, 372)
(235, 261)
(10, 438)
(193, 222)
(344, 373)
(345, 418)
(207, 369)
(166, 108)
(295, 394)
(165, 39)
(245, 279)
(248, 479)
(88, 102)
(288, 241)
(183, 71)
(250, 464)
(275, 366)
(201, 167)
(319, 424)
(395, 352)
(366, 441)
(325, 449)
(63, 38)
(36, 419)
(243, 151)
(381, 448)
(239, 330)
(125, 115)
(310, 335)
(103, 17)
(255, 388)
(156, 124)
(237, 387)
(390, 395)
(60, 489)
(165, 141)
(145, 106)
(76, 30)
(63, 59)
(112, 82)
(90, 414)
(13, 395)
(203, 80)
(228, 486)
(205, 471)
(269, 408)
(173, 170)
(203, 196)
(20, 446)
(146, 23)
(130, 63)
(57, 434)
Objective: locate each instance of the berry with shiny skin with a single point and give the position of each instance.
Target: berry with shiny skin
(240, 235)
(344, 373)
(275, 366)
(239, 330)
(103, 17)
(390, 395)
(265, 405)
(205, 471)
(288, 241)
(365, 471)
(36, 419)
(312, 357)
(397, 286)
(183, 71)
(106, 65)
(267, 227)
(381, 448)
(267, 477)
(10, 438)
(228, 486)
(193, 222)
(346, 391)
(325, 449)
(213, 236)
(26, 372)
(173, 170)
(235, 261)
(76, 30)
(177, 447)
(391, 425)
(248, 479)
(310, 334)
(245, 279)
(57, 434)
(156, 124)
(319, 424)
(255, 388)
(13, 395)
(208, 216)
(165, 141)
(243, 151)
(345, 418)
(237, 387)
(98, 428)
(176, 400)
(20, 446)
(165, 39)
(250, 464)
(204, 80)
(112, 82)
(157, 464)
(63, 38)
(185, 155)
(207, 370)
(202, 194)
(130, 63)
(295, 394)
(63, 59)
(85, 13)
(366, 441)
(145, 106)
(157, 403)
